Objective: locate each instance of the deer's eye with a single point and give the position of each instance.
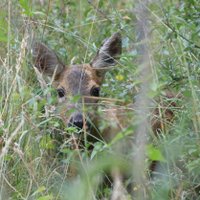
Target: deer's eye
(61, 92)
(95, 91)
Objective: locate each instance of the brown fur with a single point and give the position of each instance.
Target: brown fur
(80, 79)
(77, 79)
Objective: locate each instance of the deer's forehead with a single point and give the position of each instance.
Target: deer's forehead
(79, 73)
(78, 76)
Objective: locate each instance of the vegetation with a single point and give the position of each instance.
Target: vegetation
(35, 160)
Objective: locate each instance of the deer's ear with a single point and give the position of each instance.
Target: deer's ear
(45, 60)
(108, 53)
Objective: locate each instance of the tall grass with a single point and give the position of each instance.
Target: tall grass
(35, 157)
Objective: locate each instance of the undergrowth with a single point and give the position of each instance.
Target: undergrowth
(35, 163)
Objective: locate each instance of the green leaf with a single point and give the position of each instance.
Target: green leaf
(25, 5)
(154, 154)
(47, 197)
(98, 147)
(47, 142)
(3, 28)
(71, 129)
(41, 189)
(76, 98)
(3, 37)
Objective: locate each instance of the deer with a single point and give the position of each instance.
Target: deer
(86, 80)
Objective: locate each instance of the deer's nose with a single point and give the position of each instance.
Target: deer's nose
(76, 120)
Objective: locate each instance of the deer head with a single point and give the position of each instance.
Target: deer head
(82, 79)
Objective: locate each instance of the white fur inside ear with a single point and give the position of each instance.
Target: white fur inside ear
(106, 55)
(45, 60)
(108, 52)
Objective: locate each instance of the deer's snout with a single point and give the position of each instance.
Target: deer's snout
(77, 120)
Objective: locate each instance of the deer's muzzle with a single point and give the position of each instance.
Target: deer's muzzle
(77, 120)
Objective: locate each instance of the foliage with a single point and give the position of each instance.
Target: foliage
(36, 165)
